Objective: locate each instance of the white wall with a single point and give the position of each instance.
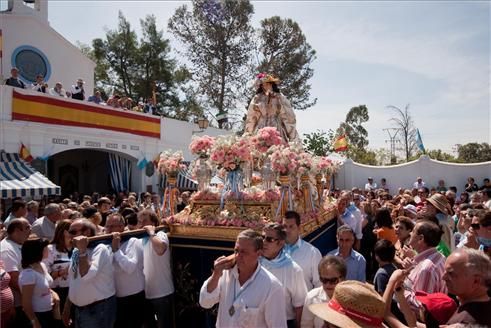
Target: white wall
(354, 174)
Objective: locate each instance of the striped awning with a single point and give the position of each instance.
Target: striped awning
(19, 179)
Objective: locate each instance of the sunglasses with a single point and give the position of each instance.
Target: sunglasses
(330, 281)
(270, 239)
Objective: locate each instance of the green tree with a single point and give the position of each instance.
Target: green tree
(352, 127)
(318, 143)
(407, 133)
(439, 155)
(217, 37)
(474, 152)
(284, 51)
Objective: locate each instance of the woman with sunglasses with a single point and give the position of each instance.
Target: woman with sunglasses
(332, 270)
(58, 260)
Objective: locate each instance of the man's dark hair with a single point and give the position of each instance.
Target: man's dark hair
(453, 188)
(345, 228)
(252, 235)
(384, 250)
(431, 232)
(293, 215)
(383, 218)
(131, 219)
(279, 228)
(151, 215)
(32, 251)
(15, 224)
(406, 222)
(18, 204)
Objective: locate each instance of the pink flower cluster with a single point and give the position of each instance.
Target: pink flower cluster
(283, 159)
(265, 138)
(229, 152)
(201, 146)
(322, 165)
(304, 161)
(170, 163)
(205, 195)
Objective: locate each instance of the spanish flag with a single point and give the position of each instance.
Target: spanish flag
(25, 154)
(341, 144)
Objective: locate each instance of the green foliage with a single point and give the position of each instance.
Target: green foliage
(217, 37)
(354, 131)
(284, 51)
(363, 156)
(474, 152)
(439, 155)
(319, 143)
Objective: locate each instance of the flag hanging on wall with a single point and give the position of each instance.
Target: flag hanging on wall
(142, 162)
(419, 142)
(341, 144)
(25, 154)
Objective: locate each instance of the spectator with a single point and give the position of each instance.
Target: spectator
(420, 200)
(331, 270)
(384, 185)
(370, 185)
(441, 186)
(96, 98)
(58, 90)
(276, 260)
(58, 260)
(350, 215)
(428, 265)
(464, 197)
(385, 229)
(32, 211)
(45, 227)
(40, 85)
(14, 80)
(355, 262)
(486, 198)
(403, 228)
(95, 217)
(6, 298)
(419, 183)
(78, 91)
(438, 207)
(185, 196)
(264, 292)
(470, 186)
(353, 304)
(104, 207)
(18, 211)
(91, 281)
(38, 300)
(10, 253)
(384, 254)
(485, 184)
(303, 253)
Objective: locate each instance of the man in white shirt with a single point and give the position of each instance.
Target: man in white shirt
(128, 274)
(10, 253)
(350, 215)
(248, 295)
(91, 280)
(370, 185)
(303, 253)
(18, 210)
(276, 260)
(159, 287)
(45, 227)
(58, 90)
(419, 183)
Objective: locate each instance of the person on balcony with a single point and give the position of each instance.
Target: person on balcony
(14, 80)
(58, 90)
(78, 91)
(96, 98)
(40, 85)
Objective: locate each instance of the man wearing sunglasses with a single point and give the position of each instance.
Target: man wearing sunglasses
(91, 280)
(277, 261)
(479, 236)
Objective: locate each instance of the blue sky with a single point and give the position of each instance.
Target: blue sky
(433, 55)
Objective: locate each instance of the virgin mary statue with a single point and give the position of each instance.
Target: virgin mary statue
(271, 108)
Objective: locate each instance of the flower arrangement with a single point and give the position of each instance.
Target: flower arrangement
(304, 161)
(201, 146)
(322, 165)
(170, 163)
(264, 139)
(229, 152)
(283, 159)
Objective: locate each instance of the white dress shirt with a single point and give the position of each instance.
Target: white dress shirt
(44, 228)
(157, 269)
(370, 186)
(315, 296)
(291, 277)
(261, 302)
(11, 255)
(98, 283)
(128, 268)
(307, 257)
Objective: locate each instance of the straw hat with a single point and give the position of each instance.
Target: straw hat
(353, 305)
(440, 202)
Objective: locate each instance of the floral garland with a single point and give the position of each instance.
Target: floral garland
(170, 163)
(201, 146)
(229, 152)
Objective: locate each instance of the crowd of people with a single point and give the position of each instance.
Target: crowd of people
(417, 258)
(78, 92)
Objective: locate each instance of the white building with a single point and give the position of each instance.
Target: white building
(81, 139)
